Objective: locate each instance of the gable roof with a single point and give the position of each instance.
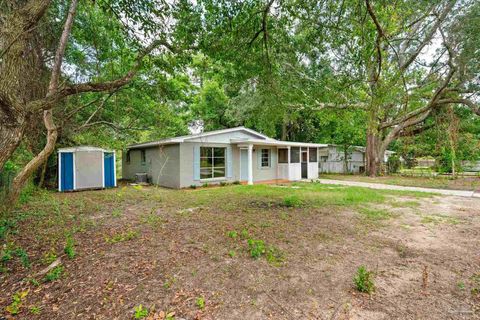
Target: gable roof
(181, 139)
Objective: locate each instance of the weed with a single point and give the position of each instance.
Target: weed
(69, 248)
(17, 301)
(292, 201)
(193, 186)
(274, 256)
(223, 183)
(153, 219)
(205, 185)
(123, 236)
(244, 234)
(116, 213)
(363, 280)
(437, 219)
(232, 234)
(34, 282)
(200, 302)
(169, 282)
(256, 248)
(236, 182)
(35, 310)
(461, 285)
(23, 256)
(231, 253)
(140, 312)
(54, 274)
(49, 256)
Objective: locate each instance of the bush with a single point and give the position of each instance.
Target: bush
(363, 280)
(393, 164)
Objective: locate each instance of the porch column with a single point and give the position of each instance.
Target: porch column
(250, 164)
(288, 164)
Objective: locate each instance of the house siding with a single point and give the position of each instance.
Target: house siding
(162, 165)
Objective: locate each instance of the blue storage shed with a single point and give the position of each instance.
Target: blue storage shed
(86, 167)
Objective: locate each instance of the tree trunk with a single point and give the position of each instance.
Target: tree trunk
(10, 137)
(373, 154)
(52, 131)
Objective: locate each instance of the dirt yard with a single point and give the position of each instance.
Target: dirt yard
(153, 253)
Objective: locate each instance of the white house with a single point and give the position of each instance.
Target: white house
(236, 154)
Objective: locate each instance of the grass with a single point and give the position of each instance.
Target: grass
(262, 226)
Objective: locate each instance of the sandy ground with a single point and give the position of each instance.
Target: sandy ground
(426, 259)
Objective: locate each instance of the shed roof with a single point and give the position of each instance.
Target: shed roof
(83, 148)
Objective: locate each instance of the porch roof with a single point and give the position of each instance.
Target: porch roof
(278, 143)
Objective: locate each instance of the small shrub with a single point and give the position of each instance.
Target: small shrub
(232, 234)
(193, 186)
(236, 182)
(205, 185)
(116, 213)
(200, 302)
(49, 256)
(69, 248)
(223, 183)
(363, 280)
(231, 253)
(17, 301)
(256, 248)
(23, 256)
(140, 312)
(292, 201)
(54, 274)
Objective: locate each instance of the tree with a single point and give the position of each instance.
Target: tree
(23, 58)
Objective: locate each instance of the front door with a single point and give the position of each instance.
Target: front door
(304, 164)
(66, 171)
(243, 164)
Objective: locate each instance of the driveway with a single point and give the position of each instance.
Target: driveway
(460, 193)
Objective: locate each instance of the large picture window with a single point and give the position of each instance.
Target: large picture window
(265, 158)
(294, 155)
(212, 162)
(312, 152)
(282, 155)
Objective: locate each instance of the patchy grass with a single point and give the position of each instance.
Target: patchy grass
(141, 252)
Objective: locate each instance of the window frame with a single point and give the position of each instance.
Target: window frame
(310, 154)
(298, 155)
(211, 158)
(268, 158)
(281, 150)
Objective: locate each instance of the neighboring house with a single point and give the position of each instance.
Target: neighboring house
(332, 159)
(236, 154)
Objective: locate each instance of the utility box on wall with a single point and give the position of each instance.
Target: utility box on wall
(86, 167)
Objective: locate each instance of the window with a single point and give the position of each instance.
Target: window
(312, 154)
(294, 155)
(143, 156)
(282, 155)
(212, 162)
(128, 156)
(265, 158)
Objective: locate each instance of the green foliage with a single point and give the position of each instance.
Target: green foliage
(122, 236)
(54, 274)
(274, 256)
(292, 201)
(69, 248)
(17, 300)
(232, 234)
(363, 280)
(140, 312)
(256, 248)
(393, 164)
(232, 253)
(193, 186)
(200, 302)
(35, 310)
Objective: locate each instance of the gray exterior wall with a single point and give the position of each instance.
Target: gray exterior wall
(162, 165)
